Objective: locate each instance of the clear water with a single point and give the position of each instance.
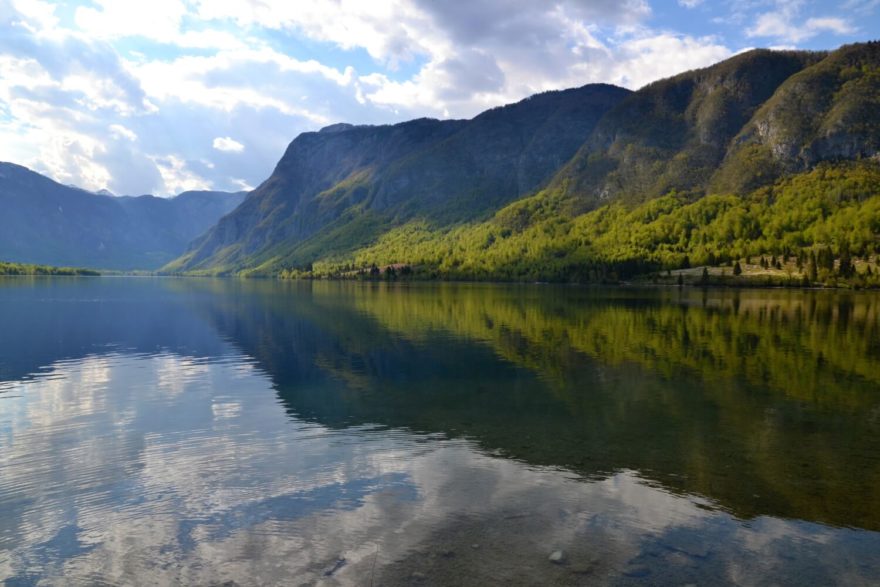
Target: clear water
(222, 432)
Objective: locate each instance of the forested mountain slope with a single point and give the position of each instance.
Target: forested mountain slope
(344, 186)
(694, 168)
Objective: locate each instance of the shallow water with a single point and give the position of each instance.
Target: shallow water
(222, 432)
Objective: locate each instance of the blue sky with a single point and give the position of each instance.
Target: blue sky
(162, 96)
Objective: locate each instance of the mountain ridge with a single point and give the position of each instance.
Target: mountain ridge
(733, 127)
(357, 179)
(49, 223)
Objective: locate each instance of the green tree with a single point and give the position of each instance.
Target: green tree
(813, 272)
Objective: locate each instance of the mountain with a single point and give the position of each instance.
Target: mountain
(48, 223)
(340, 188)
(673, 134)
(596, 181)
(829, 111)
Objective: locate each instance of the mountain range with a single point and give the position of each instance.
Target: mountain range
(45, 222)
(445, 194)
(766, 153)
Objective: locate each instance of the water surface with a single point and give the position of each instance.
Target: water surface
(222, 432)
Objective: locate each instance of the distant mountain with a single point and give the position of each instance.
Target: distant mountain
(340, 188)
(48, 223)
(788, 122)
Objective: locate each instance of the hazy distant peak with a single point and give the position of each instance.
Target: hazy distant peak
(46, 222)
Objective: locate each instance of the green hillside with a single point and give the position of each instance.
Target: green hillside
(830, 212)
(28, 269)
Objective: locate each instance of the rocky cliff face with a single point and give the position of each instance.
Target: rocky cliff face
(828, 111)
(48, 223)
(673, 134)
(360, 179)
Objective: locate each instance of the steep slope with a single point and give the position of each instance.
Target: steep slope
(48, 223)
(829, 111)
(673, 134)
(342, 187)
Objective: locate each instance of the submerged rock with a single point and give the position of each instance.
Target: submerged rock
(637, 571)
(557, 557)
(338, 564)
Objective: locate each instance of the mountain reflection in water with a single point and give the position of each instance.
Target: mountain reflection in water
(253, 432)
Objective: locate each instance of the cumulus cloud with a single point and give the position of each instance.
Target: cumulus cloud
(228, 145)
(108, 19)
(785, 23)
(177, 175)
(120, 132)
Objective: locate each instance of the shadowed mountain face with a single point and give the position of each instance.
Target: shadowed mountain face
(45, 222)
(340, 188)
(730, 128)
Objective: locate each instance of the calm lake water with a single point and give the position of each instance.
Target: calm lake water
(223, 432)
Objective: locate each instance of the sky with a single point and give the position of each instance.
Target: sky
(164, 96)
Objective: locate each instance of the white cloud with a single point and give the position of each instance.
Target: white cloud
(36, 15)
(242, 185)
(216, 81)
(785, 24)
(227, 145)
(108, 19)
(121, 132)
(835, 25)
(690, 3)
(385, 28)
(177, 177)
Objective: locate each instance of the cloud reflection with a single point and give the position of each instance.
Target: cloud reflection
(108, 477)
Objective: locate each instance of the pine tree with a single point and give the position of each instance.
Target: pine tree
(737, 270)
(846, 268)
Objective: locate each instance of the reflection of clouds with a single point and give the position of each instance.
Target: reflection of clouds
(225, 410)
(174, 373)
(209, 481)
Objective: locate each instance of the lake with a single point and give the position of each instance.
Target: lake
(245, 432)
